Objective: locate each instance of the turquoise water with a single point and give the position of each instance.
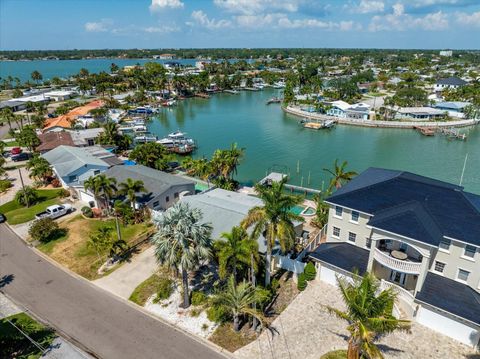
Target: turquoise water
(309, 212)
(275, 139)
(297, 210)
(65, 68)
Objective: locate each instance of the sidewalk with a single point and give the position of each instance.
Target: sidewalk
(125, 279)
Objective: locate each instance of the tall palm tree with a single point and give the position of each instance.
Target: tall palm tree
(26, 196)
(130, 188)
(238, 299)
(101, 186)
(182, 241)
(340, 176)
(236, 249)
(274, 219)
(368, 314)
(39, 169)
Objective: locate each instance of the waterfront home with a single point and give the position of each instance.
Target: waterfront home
(417, 113)
(68, 120)
(417, 235)
(162, 189)
(338, 108)
(358, 111)
(450, 83)
(73, 165)
(226, 209)
(453, 108)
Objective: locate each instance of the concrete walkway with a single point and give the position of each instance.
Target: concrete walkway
(305, 330)
(125, 279)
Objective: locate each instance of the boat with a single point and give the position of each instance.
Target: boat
(177, 142)
(146, 137)
(279, 84)
(169, 103)
(274, 100)
(327, 124)
(233, 92)
(139, 129)
(426, 131)
(142, 110)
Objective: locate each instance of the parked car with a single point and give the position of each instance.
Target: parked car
(21, 157)
(16, 150)
(2, 218)
(55, 211)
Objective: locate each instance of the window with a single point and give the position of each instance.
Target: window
(355, 216)
(167, 199)
(439, 267)
(73, 178)
(463, 275)
(175, 195)
(352, 236)
(96, 172)
(338, 211)
(155, 204)
(469, 251)
(336, 232)
(368, 243)
(445, 244)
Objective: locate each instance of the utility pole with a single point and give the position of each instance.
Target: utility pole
(23, 187)
(254, 324)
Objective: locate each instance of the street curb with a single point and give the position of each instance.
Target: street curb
(135, 306)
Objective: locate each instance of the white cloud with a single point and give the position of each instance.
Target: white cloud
(253, 7)
(158, 5)
(398, 20)
(100, 26)
(200, 18)
(368, 7)
(165, 29)
(465, 19)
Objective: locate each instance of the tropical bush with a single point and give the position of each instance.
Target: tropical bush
(26, 196)
(4, 185)
(301, 282)
(44, 230)
(218, 314)
(310, 271)
(63, 193)
(87, 212)
(198, 298)
(165, 289)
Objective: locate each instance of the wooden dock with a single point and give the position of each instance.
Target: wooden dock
(453, 133)
(202, 95)
(426, 131)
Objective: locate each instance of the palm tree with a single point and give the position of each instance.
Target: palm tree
(100, 240)
(130, 188)
(237, 248)
(39, 169)
(36, 76)
(340, 176)
(26, 196)
(101, 186)
(182, 242)
(368, 314)
(239, 299)
(274, 219)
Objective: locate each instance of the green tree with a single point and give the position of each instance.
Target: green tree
(235, 249)
(102, 187)
(340, 175)
(239, 299)
(6, 115)
(274, 219)
(27, 137)
(36, 76)
(100, 240)
(44, 230)
(26, 196)
(39, 168)
(151, 154)
(130, 189)
(368, 314)
(182, 242)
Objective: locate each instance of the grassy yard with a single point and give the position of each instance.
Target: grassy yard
(13, 344)
(231, 340)
(72, 250)
(336, 354)
(146, 289)
(17, 214)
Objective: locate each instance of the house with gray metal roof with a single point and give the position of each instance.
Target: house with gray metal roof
(163, 189)
(417, 235)
(449, 83)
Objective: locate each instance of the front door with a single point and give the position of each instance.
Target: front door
(398, 277)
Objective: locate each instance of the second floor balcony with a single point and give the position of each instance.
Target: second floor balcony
(397, 256)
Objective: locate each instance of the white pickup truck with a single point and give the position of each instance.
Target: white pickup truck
(55, 211)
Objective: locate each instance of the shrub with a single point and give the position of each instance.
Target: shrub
(27, 195)
(301, 282)
(217, 314)
(198, 298)
(195, 313)
(4, 185)
(310, 271)
(63, 193)
(164, 289)
(44, 230)
(55, 183)
(87, 212)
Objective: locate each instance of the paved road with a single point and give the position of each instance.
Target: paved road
(97, 320)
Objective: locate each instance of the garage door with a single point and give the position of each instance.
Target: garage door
(86, 197)
(327, 275)
(452, 328)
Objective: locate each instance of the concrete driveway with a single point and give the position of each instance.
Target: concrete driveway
(125, 279)
(14, 176)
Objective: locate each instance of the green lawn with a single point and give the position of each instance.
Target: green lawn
(17, 214)
(336, 354)
(145, 290)
(13, 344)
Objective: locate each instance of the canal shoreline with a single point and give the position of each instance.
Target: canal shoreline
(379, 124)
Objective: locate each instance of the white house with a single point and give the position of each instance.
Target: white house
(450, 83)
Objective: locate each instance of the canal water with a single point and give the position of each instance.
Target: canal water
(273, 139)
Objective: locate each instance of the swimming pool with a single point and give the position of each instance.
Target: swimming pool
(301, 210)
(200, 187)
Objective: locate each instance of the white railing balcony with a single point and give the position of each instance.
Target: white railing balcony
(404, 266)
(402, 293)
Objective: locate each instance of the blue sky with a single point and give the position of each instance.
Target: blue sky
(93, 24)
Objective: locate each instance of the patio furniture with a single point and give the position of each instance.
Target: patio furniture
(399, 255)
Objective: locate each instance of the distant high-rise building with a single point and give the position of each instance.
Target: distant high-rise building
(446, 53)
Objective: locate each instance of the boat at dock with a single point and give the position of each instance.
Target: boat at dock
(177, 142)
(145, 138)
(426, 131)
(233, 92)
(327, 124)
(274, 100)
(453, 134)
